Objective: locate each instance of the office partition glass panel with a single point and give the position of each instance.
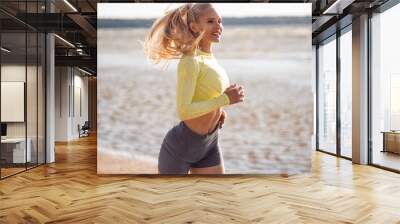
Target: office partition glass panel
(32, 95)
(41, 97)
(22, 61)
(327, 96)
(346, 94)
(14, 153)
(32, 90)
(385, 81)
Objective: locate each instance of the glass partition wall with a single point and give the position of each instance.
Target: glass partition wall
(334, 113)
(345, 92)
(385, 89)
(327, 95)
(334, 84)
(13, 90)
(22, 88)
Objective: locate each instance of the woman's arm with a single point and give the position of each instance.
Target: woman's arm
(188, 71)
(222, 118)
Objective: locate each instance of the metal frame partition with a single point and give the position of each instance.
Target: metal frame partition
(338, 73)
(0, 93)
(27, 29)
(340, 30)
(382, 8)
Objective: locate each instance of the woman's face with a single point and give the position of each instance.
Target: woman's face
(210, 21)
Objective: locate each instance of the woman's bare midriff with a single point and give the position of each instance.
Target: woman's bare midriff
(204, 124)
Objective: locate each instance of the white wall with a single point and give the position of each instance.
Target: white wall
(70, 83)
(62, 81)
(12, 73)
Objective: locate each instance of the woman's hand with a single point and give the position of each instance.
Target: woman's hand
(235, 93)
(222, 119)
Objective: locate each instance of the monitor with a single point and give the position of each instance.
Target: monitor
(3, 129)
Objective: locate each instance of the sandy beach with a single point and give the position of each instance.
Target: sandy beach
(268, 133)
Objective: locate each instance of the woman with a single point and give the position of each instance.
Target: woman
(188, 33)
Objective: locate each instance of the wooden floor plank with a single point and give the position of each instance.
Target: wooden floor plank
(70, 191)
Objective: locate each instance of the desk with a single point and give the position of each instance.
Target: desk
(391, 141)
(17, 150)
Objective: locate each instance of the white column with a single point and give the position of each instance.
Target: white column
(50, 99)
(314, 91)
(50, 92)
(360, 90)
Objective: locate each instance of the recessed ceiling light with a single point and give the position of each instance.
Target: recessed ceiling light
(71, 6)
(5, 50)
(337, 7)
(84, 71)
(64, 40)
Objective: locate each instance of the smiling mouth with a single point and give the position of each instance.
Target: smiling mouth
(216, 34)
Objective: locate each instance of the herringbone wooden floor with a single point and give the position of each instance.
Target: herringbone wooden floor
(70, 191)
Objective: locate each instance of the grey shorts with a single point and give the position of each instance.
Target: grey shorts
(182, 149)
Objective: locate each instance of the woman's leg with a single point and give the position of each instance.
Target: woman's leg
(170, 164)
(219, 169)
(212, 163)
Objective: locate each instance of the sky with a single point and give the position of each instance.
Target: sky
(155, 10)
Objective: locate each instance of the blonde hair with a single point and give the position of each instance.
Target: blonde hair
(170, 36)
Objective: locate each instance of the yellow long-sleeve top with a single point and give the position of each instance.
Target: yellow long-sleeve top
(201, 82)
